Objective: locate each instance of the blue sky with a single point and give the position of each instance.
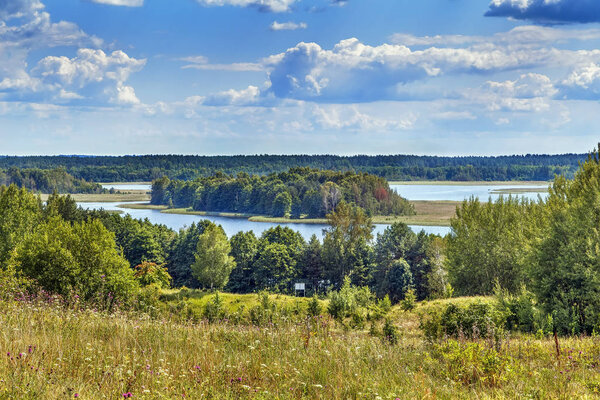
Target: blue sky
(446, 77)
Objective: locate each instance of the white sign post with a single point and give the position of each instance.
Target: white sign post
(300, 287)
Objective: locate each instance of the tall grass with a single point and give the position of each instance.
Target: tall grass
(50, 351)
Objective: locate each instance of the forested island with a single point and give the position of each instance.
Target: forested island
(298, 192)
(391, 167)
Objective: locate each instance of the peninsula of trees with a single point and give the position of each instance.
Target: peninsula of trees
(297, 192)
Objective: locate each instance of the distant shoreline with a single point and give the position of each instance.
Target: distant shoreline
(429, 213)
(472, 183)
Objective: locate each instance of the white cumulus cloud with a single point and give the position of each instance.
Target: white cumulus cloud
(287, 26)
(263, 5)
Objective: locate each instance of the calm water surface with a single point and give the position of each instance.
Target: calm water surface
(235, 225)
(461, 192)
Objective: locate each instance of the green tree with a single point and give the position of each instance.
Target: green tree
(566, 274)
(282, 205)
(492, 242)
(149, 273)
(397, 281)
(182, 254)
(274, 268)
(346, 250)
(20, 213)
(213, 264)
(244, 246)
(81, 257)
(311, 265)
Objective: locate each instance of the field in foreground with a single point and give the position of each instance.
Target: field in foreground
(49, 352)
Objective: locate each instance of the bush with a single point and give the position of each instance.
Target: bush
(472, 363)
(149, 273)
(12, 285)
(213, 310)
(522, 313)
(477, 320)
(409, 301)
(390, 332)
(264, 311)
(348, 300)
(314, 307)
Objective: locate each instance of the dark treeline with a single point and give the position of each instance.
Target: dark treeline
(297, 192)
(47, 180)
(392, 167)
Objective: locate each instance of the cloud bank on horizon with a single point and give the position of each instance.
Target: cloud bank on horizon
(298, 76)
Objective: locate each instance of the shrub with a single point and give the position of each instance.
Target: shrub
(348, 299)
(409, 301)
(314, 307)
(213, 310)
(472, 363)
(149, 273)
(390, 332)
(476, 320)
(522, 312)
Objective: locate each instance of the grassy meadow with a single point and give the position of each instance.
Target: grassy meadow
(54, 351)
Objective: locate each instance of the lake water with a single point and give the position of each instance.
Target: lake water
(235, 225)
(461, 192)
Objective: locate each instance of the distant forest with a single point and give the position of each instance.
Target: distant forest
(392, 167)
(47, 181)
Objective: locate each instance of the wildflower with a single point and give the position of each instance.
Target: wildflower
(76, 395)
(127, 395)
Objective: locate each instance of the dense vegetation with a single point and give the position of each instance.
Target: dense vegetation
(392, 167)
(297, 192)
(547, 253)
(47, 180)
(78, 287)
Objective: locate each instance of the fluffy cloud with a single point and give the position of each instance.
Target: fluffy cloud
(263, 5)
(528, 93)
(24, 27)
(353, 70)
(287, 26)
(91, 74)
(582, 83)
(349, 117)
(87, 67)
(125, 96)
(244, 97)
(547, 11)
(18, 8)
(126, 3)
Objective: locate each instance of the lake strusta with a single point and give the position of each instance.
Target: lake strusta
(234, 225)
